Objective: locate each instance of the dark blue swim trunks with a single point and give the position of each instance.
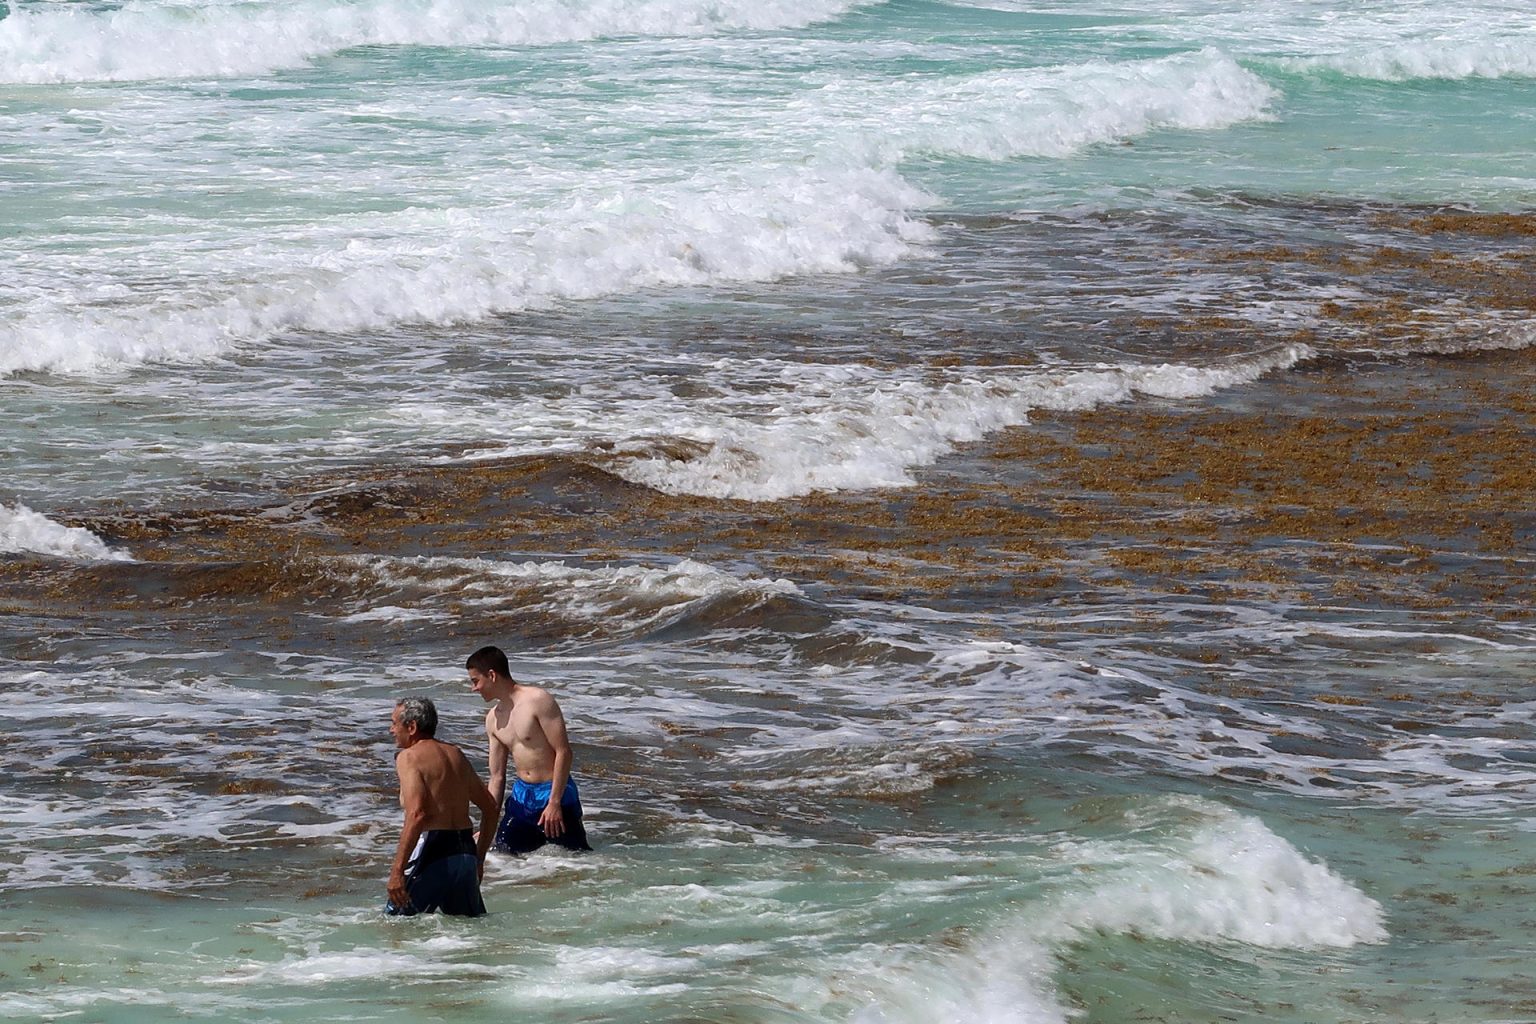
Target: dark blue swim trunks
(443, 875)
(519, 831)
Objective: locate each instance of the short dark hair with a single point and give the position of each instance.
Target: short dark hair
(489, 659)
(421, 711)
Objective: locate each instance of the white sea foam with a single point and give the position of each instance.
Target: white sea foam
(1461, 760)
(1387, 41)
(908, 987)
(23, 531)
(1468, 339)
(1513, 56)
(856, 432)
(619, 598)
(457, 265)
(855, 765)
(1227, 879)
(396, 613)
(63, 1001)
(144, 40)
(826, 199)
(76, 729)
(352, 965)
(1045, 112)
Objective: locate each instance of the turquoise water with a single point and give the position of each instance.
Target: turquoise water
(258, 252)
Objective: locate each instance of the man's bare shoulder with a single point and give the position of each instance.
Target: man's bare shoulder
(534, 701)
(542, 706)
(427, 752)
(409, 759)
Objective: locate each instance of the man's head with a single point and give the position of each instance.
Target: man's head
(415, 718)
(490, 659)
(489, 674)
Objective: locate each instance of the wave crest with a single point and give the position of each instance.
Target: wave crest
(1056, 111)
(1446, 59)
(1219, 878)
(145, 41)
(23, 531)
(623, 600)
(1230, 879)
(873, 436)
(696, 233)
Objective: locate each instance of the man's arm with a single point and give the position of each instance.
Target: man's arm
(552, 821)
(413, 799)
(496, 761)
(490, 810)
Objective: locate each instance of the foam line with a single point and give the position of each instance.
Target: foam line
(1045, 112)
(452, 266)
(142, 41)
(23, 531)
(1446, 59)
(874, 434)
(1229, 879)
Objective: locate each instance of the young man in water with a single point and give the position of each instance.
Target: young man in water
(544, 804)
(440, 861)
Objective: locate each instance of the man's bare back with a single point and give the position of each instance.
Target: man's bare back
(438, 861)
(442, 773)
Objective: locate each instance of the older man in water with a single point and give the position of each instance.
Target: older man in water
(440, 860)
(526, 725)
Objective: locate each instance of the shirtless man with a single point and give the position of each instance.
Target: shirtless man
(544, 804)
(439, 862)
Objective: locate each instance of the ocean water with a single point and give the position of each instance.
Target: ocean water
(339, 337)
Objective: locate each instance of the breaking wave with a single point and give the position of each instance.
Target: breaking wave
(23, 531)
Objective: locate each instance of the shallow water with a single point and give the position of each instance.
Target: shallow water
(730, 364)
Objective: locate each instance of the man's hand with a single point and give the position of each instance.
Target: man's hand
(397, 891)
(552, 821)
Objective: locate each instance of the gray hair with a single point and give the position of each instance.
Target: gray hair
(420, 710)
